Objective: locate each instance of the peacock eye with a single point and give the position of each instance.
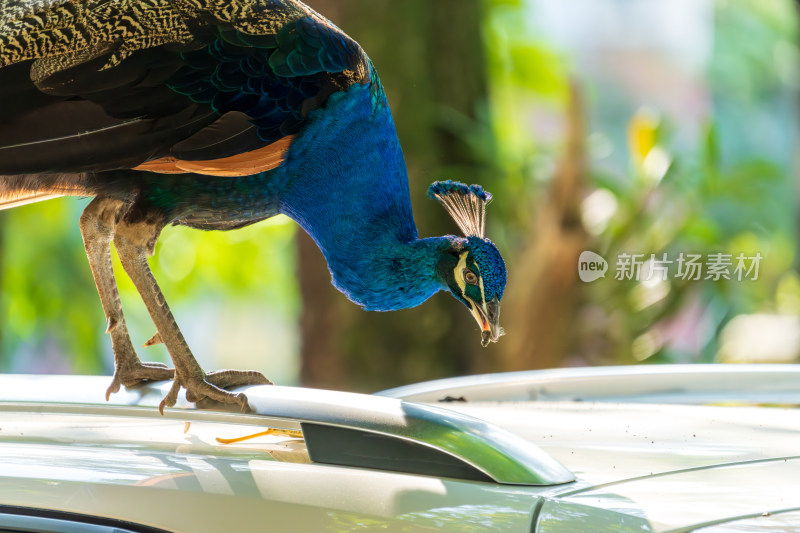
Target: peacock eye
(470, 277)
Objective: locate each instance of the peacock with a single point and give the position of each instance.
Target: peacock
(216, 114)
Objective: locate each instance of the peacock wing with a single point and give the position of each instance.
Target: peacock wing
(219, 87)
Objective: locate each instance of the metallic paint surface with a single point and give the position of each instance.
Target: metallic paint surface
(647, 453)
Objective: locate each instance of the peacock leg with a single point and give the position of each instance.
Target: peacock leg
(97, 228)
(135, 240)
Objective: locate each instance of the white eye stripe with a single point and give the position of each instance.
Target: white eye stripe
(480, 285)
(458, 272)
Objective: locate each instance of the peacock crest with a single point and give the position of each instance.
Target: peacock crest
(465, 203)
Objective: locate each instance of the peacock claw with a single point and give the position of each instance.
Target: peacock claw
(209, 391)
(171, 397)
(137, 372)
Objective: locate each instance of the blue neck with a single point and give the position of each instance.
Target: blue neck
(348, 188)
(384, 275)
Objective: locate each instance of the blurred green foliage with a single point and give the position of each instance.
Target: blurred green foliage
(44, 296)
(651, 187)
(48, 298)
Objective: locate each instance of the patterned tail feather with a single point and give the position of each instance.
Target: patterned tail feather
(26, 189)
(23, 198)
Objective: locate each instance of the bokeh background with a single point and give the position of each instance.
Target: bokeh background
(616, 126)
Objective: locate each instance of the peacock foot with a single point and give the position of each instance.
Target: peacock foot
(133, 372)
(207, 390)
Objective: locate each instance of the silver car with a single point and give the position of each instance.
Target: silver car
(625, 449)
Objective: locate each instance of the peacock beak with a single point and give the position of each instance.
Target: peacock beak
(488, 317)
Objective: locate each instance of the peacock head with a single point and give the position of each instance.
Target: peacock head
(472, 268)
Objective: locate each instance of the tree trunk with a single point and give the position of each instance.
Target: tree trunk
(540, 310)
(322, 363)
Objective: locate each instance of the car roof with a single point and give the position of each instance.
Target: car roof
(700, 384)
(449, 443)
(622, 434)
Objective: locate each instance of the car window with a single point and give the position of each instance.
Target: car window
(42, 521)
